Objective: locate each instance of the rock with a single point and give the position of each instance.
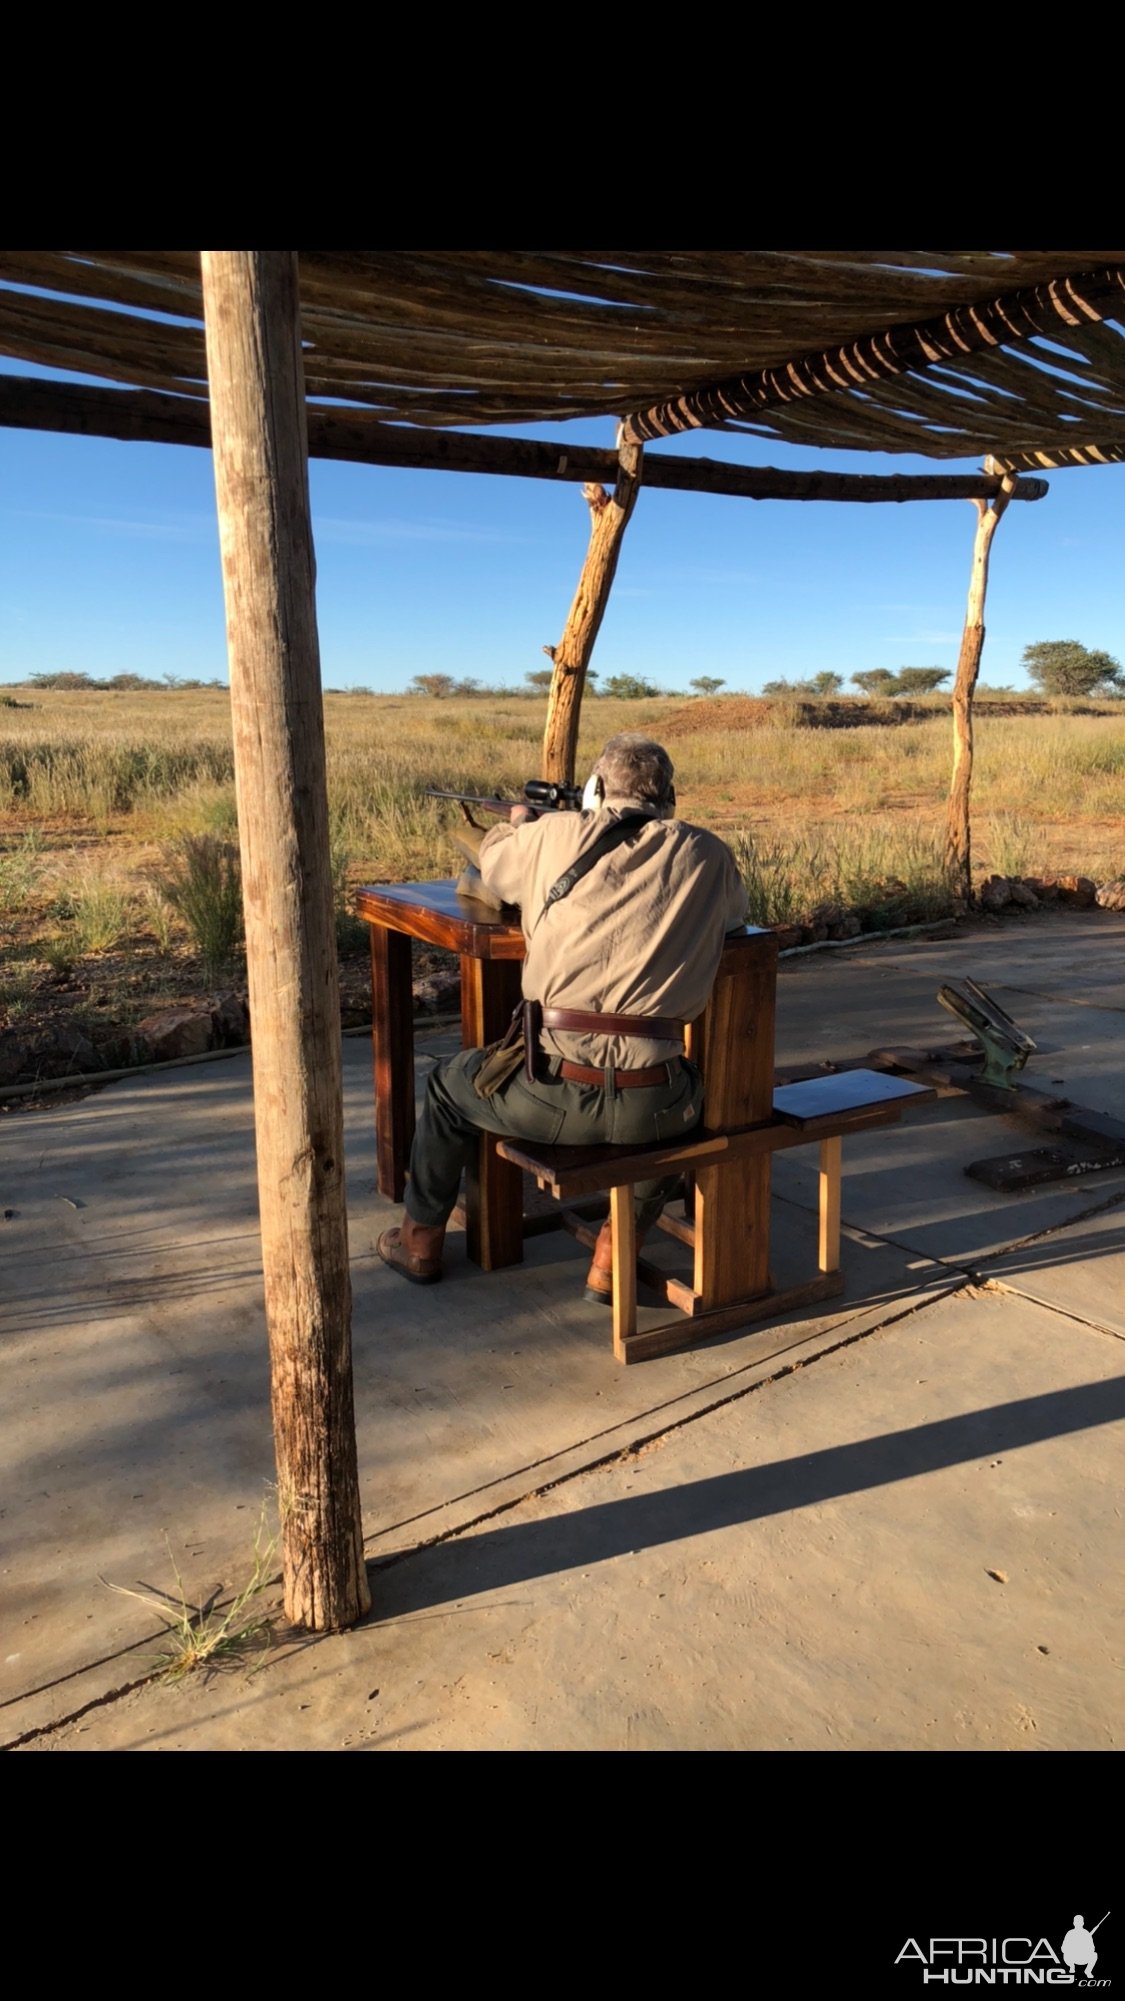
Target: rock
(827, 913)
(53, 1051)
(13, 1052)
(1023, 895)
(171, 1035)
(76, 1051)
(845, 927)
(1045, 887)
(115, 1050)
(995, 894)
(787, 936)
(438, 993)
(1078, 890)
(813, 934)
(1111, 895)
(230, 1022)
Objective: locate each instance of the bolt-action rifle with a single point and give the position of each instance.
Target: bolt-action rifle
(541, 793)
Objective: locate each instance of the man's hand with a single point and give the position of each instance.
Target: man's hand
(520, 815)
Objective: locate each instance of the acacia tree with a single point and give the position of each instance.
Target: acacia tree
(919, 680)
(817, 685)
(706, 684)
(629, 687)
(438, 685)
(875, 681)
(1063, 667)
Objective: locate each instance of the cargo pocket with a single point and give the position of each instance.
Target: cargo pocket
(528, 1113)
(679, 1121)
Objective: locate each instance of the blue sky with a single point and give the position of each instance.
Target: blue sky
(109, 563)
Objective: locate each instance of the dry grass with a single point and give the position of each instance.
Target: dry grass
(129, 775)
(210, 1635)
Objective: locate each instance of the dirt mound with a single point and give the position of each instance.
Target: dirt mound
(755, 712)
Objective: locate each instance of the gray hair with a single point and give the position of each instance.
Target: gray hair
(632, 766)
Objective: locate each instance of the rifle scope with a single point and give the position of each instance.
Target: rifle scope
(541, 792)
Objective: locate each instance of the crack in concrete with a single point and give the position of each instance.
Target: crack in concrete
(971, 1269)
(1061, 1000)
(636, 1445)
(577, 1445)
(1055, 1229)
(95, 1702)
(1051, 1305)
(614, 1456)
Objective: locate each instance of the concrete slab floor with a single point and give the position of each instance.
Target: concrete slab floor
(913, 1543)
(137, 1435)
(133, 1348)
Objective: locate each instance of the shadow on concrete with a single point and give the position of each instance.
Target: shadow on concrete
(498, 1558)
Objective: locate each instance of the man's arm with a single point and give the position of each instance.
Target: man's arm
(505, 854)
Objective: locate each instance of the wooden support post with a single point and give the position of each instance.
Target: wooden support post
(958, 854)
(571, 657)
(252, 316)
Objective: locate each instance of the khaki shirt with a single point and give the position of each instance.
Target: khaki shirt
(642, 933)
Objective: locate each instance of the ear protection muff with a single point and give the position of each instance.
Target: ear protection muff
(593, 794)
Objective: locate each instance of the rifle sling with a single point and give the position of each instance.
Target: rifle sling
(604, 845)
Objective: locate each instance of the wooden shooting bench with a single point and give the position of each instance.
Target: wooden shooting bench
(745, 1122)
(729, 1229)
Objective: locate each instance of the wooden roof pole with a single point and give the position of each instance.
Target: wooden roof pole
(958, 845)
(360, 439)
(609, 519)
(261, 479)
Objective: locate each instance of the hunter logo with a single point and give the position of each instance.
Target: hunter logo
(1002, 1962)
(1078, 1947)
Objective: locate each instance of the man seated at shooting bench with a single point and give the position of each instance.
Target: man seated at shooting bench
(624, 909)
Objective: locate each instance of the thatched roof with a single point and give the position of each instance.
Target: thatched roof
(945, 353)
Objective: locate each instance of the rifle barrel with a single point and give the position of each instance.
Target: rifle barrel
(473, 799)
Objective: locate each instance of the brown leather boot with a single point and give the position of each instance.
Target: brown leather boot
(413, 1250)
(599, 1278)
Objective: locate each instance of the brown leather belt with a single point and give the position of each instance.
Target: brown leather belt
(651, 1027)
(624, 1080)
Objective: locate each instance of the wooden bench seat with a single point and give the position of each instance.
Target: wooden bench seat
(821, 1110)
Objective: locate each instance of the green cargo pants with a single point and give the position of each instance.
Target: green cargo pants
(552, 1110)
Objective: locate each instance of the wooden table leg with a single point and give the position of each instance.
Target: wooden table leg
(490, 989)
(392, 1042)
(624, 1218)
(831, 1162)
